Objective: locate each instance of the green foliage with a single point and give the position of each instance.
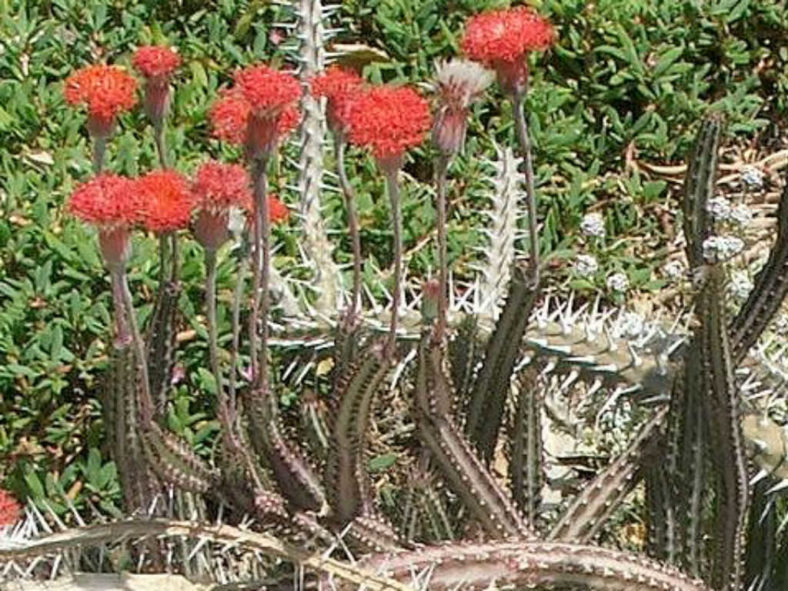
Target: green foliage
(626, 76)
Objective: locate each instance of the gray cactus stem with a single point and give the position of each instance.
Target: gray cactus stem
(122, 331)
(521, 126)
(392, 185)
(352, 220)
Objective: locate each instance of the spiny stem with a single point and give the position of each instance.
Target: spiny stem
(99, 149)
(396, 213)
(146, 402)
(213, 339)
(262, 261)
(352, 219)
(175, 266)
(443, 263)
(525, 146)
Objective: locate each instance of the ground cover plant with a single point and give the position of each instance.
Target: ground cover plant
(248, 363)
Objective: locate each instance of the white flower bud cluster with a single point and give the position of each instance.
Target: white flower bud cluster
(752, 177)
(723, 211)
(585, 265)
(617, 282)
(718, 249)
(674, 269)
(740, 285)
(593, 225)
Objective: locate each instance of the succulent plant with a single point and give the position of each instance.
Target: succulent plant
(482, 373)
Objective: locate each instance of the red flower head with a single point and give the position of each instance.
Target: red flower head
(390, 120)
(278, 212)
(155, 61)
(340, 87)
(217, 189)
(233, 121)
(166, 201)
(111, 203)
(157, 65)
(502, 39)
(267, 91)
(105, 90)
(10, 510)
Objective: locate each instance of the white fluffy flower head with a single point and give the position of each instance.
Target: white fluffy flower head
(585, 265)
(593, 224)
(718, 249)
(617, 282)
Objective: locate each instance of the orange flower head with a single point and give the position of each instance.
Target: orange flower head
(154, 61)
(278, 213)
(167, 201)
(234, 121)
(10, 510)
(111, 203)
(107, 201)
(340, 87)
(106, 91)
(389, 120)
(501, 39)
(268, 91)
(218, 186)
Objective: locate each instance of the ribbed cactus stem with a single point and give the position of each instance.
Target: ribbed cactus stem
(499, 254)
(313, 131)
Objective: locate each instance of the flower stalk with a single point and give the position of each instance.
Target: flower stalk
(521, 127)
(353, 228)
(392, 187)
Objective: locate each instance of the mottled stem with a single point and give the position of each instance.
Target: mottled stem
(261, 277)
(146, 401)
(443, 263)
(99, 149)
(530, 193)
(352, 220)
(392, 185)
(225, 415)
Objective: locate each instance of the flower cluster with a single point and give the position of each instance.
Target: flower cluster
(593, 225)
(258, 110)
(219, 190)
(167, 201)
(501, 39)
(155, 61)
(106, 91)
(340, 87)
(107, 201)
(717, 249)
(220, 187)
(10, 511)
(389, 120)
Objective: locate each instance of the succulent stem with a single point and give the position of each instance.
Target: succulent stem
(352, 220)
(146, 402)
(236, 330)
(392, 185)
